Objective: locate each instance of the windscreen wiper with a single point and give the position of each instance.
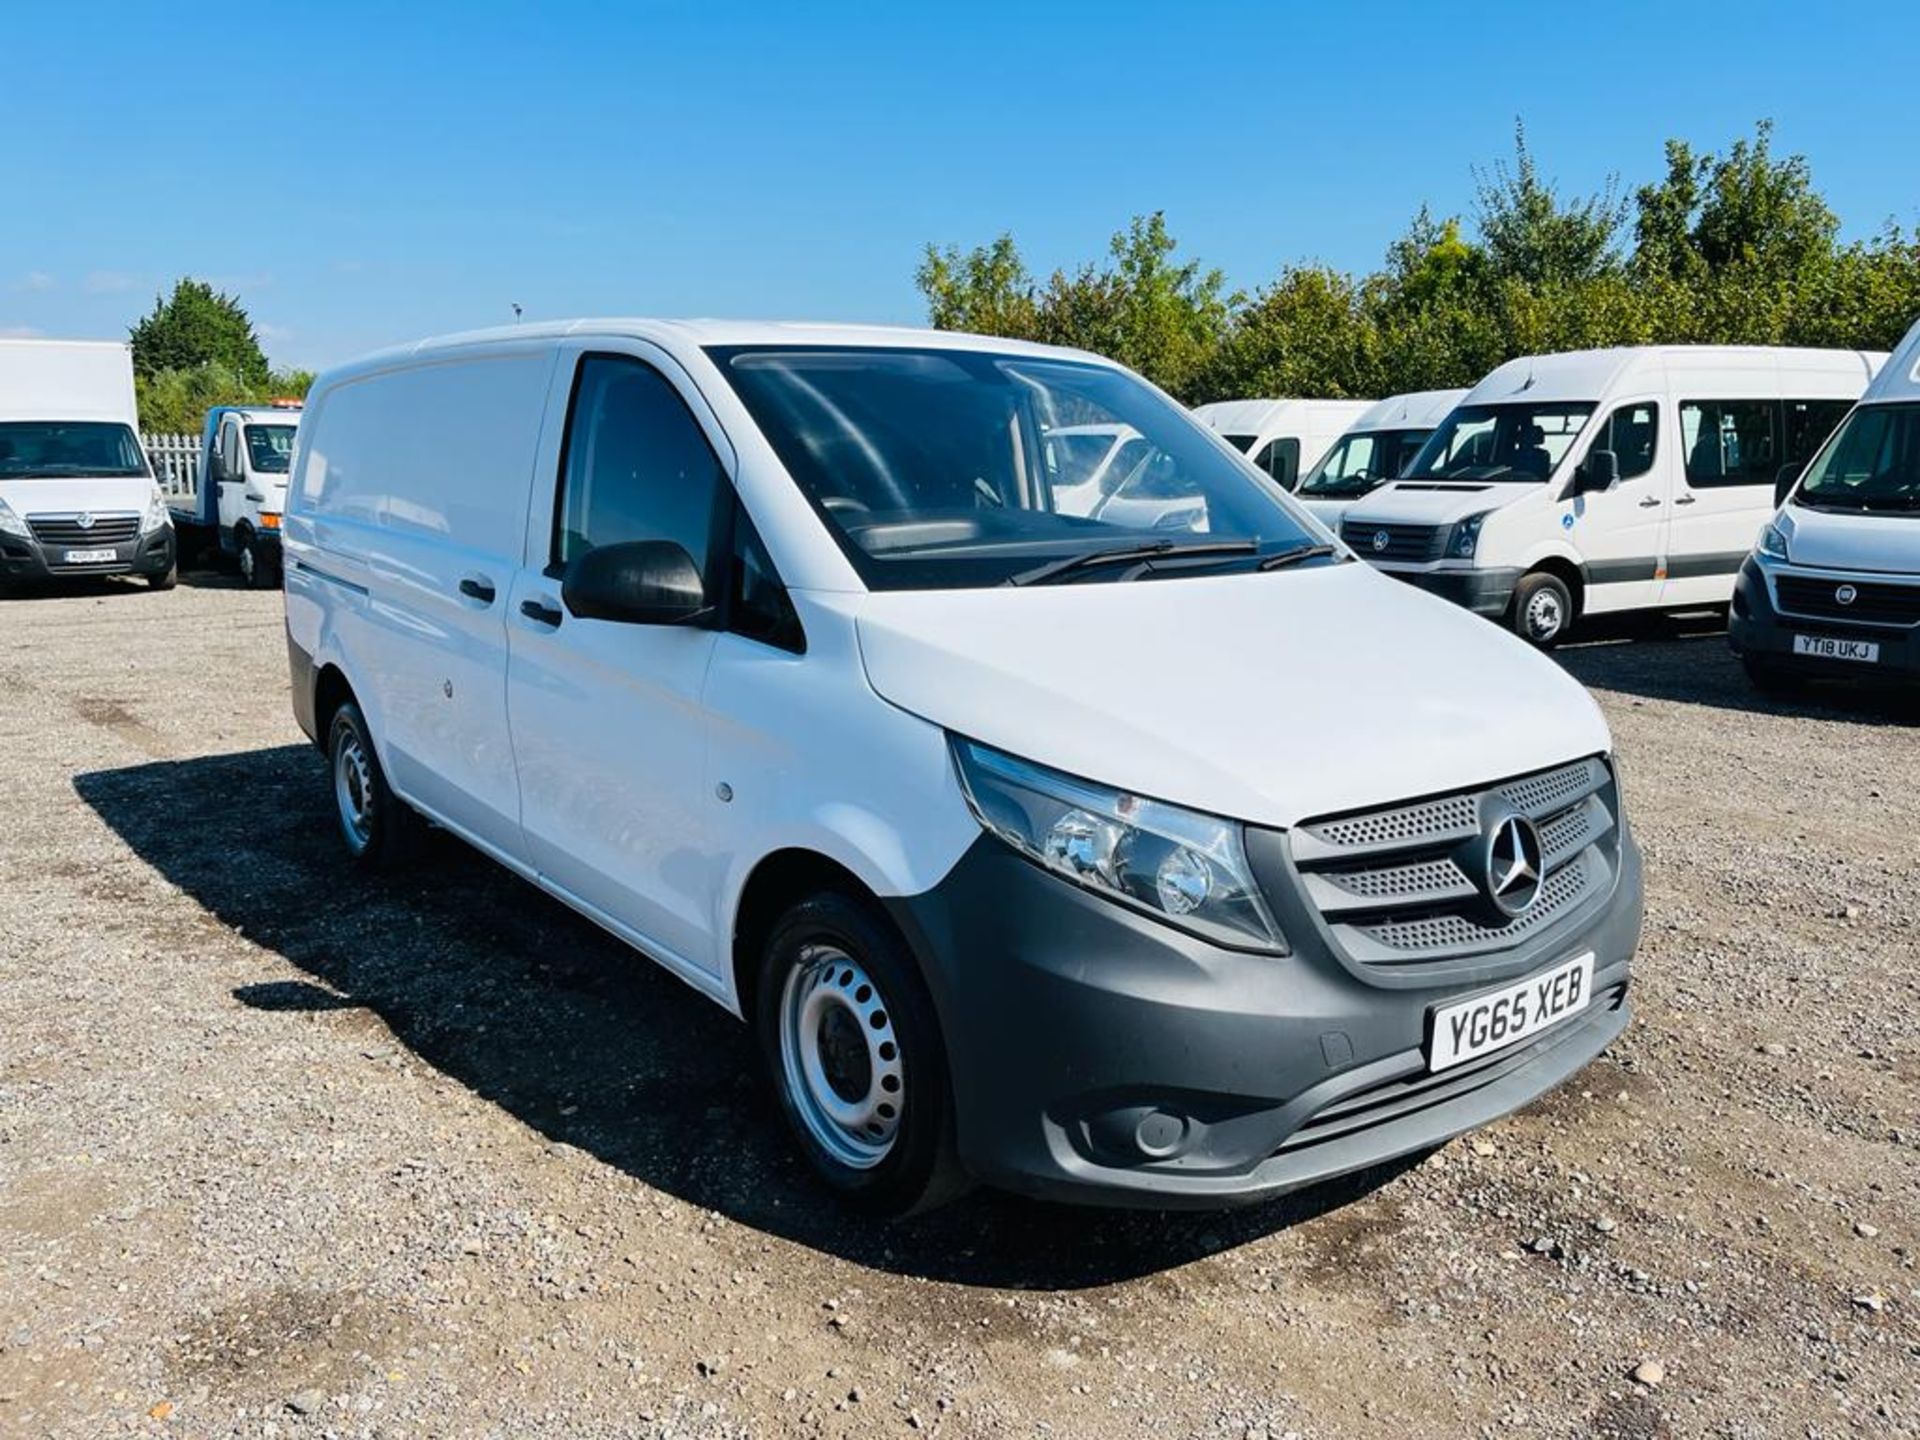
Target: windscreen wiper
(1293, 555)
(1136, 555)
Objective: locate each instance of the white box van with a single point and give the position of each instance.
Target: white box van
(1833, 587)
(1376, 449)
(246, 452)
(1285, 438)
(1049, 851)
(77, 496)
(1605, 480)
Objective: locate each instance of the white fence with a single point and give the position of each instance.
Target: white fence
(175, 459)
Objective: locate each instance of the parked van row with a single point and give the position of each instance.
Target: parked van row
(1042, 842)
(1833, 587)
(1602, 481)
(77, 493)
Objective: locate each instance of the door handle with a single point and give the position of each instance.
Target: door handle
(1686, 499)
(541, 612)
(1649, 503)
(480, 589)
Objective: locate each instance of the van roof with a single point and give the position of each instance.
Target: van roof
(1255, 417)
(723, 332)
(1416, 410)
(1899, 378)
(1592, 375)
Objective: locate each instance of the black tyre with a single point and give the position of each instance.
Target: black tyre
(1542, 609)
(850, 1038)
(257, 567)
(165, 580)
(378, 828)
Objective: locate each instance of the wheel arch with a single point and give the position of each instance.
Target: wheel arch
(778, 881)
(1569, 572)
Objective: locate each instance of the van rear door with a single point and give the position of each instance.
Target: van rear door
(609, 724)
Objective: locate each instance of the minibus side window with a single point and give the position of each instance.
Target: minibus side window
(1281, 460)
(636, 466)
(1632, 433)
(1729, 442)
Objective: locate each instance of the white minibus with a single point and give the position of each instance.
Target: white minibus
(1605, 480)
(1285, 438)
(1378, 446)
(1038, 848)
(1833, 587)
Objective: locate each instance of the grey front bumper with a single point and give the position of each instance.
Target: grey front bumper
(28, 559)
(1485, 592)
(1100, 1055)
(1757, 629)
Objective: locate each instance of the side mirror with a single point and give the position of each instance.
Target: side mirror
(641, 582)
(1783, 482)
(1601, 471)
(217, 469)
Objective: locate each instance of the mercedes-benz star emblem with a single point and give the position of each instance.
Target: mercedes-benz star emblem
(1381, 539)
(1515, 861)
(85, 521)
(1846, 594)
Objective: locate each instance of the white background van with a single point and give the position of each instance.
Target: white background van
(1833, 587)
(246, 452)
(1375, 449)
(77, 496)
(1285, 438)
(1054, 851)
(1605, 480)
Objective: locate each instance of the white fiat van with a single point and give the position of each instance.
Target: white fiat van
(1285, 438)
(1603, 480)
(1042, 849)
(1833, 587)
(77, 496)
(1376, 449)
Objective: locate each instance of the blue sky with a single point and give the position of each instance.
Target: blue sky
(362, 174)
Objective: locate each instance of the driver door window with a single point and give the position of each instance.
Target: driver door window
(1281, 460)
(1632, 433)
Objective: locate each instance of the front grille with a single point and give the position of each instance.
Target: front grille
(1874, 602)
(1405, 885)
(66, 530)
(1411, 543)
(1410, 1094)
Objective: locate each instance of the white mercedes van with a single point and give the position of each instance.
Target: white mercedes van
(1833, 587)
(1376, 449)
(1040, 849)
(1605, 480)
(1285, 438)
(77, 495)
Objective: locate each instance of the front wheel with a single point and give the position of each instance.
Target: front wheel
(375, 823)
(256, 566)
(166, 579)
(849, 1035)
(1542, 609)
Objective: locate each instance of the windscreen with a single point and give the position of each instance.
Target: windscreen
(270, 448)
(1500, 442)
(51, 449)
(1871, 463)
(949, 468)
(1362, 462)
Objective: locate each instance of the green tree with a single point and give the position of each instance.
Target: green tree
(987, 290)
(196, 326)
(1530, 235)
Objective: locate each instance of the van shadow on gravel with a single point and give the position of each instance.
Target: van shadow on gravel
(512, 995)
(1685, 658)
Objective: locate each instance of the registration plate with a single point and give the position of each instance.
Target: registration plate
(1828, 648)
(91, 557)
(1496, 1019)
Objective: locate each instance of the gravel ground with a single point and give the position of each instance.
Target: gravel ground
(286, 1152)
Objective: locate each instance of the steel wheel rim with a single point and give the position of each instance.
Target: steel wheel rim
(840, 1057)
(247, 562)
(1544, 615)
(353, 791)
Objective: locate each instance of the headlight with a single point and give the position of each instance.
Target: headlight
(1773, 541)
(1464, 538)
(1179, 866)
(12, 524)
(156, 515)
